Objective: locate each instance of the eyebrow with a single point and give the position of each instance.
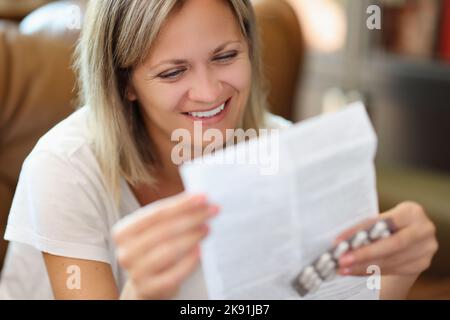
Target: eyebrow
(182, 61)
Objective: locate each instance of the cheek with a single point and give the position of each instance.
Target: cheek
(238, 75)
(160, 98)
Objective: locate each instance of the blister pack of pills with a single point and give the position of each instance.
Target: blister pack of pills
(325, 267)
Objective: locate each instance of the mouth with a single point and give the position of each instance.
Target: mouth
(212, 115)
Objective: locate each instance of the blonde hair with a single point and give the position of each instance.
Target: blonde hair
(116, 37)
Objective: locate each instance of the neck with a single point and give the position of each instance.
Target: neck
(166, 171)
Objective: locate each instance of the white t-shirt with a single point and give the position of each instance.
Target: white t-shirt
(62, 206)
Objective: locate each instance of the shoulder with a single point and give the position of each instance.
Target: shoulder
(67, 136)
(61, 204)
(63, 158)
(272, 121)
(66, 148)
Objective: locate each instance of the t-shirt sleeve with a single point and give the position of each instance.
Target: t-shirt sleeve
(58, 209)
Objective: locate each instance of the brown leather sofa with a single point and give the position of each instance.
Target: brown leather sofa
(36, 90)
(37, 85)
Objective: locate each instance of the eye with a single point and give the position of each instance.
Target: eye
(171, 74)
(226, 57)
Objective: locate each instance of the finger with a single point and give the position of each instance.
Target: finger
(167, 254)
(405, 214)
(166, 230)
(167, 283)
(381, 249)
(149, 215)
(402, 215)
(410, 257)
(407, 261)
(361, 269)
(347, 234)
(386, 265)
(408, 266)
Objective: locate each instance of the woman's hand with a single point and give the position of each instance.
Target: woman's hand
(159, 246)
(408, 252)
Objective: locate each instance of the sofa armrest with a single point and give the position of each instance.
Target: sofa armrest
(282, 51)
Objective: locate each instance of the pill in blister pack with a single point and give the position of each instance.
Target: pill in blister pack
(380, 230)
(340, 249)
(325, 267)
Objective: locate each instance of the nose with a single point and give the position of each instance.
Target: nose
(205, 88)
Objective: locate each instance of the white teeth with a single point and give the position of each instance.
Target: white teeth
(207, 114)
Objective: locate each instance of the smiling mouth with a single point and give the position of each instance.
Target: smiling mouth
(208, 113)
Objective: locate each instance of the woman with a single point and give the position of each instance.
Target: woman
(148, 68)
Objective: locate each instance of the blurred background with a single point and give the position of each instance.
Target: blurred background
(319, 55)
(402, 73)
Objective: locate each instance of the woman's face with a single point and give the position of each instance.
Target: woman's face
(199, 61)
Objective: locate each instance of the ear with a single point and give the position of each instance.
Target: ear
(131, 93)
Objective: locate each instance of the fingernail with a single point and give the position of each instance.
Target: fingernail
(213, 210)
(346, 260)
(199, 199)
(345, 271)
